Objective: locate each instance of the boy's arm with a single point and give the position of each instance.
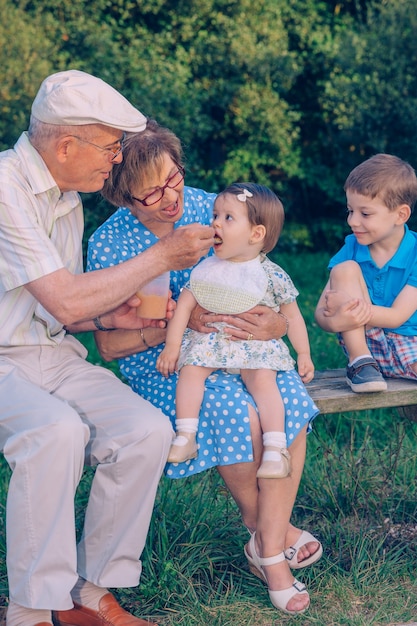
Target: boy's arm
(403, 307)
(167, 361)
(298, 336)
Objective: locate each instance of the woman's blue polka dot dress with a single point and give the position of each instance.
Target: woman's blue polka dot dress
(224, 433)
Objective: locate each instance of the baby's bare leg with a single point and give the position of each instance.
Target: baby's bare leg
(190, 390)
(262, 386)
(189, 397)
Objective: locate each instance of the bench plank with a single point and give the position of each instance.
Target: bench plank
(332, 394)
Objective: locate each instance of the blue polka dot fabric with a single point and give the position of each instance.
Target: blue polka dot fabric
(224, 431)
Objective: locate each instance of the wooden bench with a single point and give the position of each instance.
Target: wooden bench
(332, 394)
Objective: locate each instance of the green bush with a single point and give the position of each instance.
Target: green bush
(289, 94)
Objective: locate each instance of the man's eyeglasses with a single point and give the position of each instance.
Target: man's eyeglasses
(113, 151)
(157, 195)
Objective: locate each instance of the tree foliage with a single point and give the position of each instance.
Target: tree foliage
(289, 93)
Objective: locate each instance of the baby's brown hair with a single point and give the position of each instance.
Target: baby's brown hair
(263, 207)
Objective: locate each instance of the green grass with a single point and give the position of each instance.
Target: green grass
(358, 494)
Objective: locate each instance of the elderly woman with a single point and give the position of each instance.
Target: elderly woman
(149, 189)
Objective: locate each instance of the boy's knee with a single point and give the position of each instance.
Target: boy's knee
(347, 268)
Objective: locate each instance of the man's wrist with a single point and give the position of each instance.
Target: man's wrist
(98, 324)
(142, 336)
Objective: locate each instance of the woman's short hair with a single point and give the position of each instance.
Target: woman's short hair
(263, 207)
(143, 159)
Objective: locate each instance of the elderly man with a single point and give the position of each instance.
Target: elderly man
(57, 410)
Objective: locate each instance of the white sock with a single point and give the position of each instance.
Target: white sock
(87, 594)
(187, 425)
(363, 356)
(21, 616)
(275, 439)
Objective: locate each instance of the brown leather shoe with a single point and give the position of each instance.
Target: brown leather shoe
(109, 613)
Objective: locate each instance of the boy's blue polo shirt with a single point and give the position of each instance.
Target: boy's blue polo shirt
(385, 283)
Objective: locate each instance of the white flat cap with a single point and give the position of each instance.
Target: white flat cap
(74, 98)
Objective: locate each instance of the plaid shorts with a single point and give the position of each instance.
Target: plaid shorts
(394, 353)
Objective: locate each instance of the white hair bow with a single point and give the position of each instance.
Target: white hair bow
(242, 196)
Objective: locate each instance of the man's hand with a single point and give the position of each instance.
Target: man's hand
(126, 316)
(186, 245)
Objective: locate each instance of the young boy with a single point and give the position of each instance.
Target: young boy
(370, 300)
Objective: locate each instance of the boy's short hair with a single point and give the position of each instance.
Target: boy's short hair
(387, 177)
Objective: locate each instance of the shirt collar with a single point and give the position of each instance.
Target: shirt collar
(399, 258)
(402, 256)
(38, 175)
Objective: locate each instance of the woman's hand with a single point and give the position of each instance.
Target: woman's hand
(261, 323)
(200, 319)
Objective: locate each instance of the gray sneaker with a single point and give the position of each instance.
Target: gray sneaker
(365, 377)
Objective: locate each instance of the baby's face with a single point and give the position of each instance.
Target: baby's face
(233, 239)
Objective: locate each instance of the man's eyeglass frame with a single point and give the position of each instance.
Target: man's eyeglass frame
(115, 150)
